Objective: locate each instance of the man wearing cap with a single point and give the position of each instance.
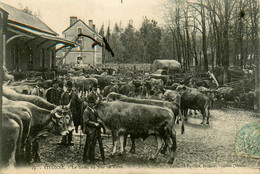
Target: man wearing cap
(91, 127)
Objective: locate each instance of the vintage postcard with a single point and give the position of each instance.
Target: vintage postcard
(130, 86)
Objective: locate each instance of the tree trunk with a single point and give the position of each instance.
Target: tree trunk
(204, 40)
(226, 44)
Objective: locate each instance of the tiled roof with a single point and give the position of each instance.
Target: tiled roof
(24, 19)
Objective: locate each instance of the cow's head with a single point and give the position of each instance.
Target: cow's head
(212, 94)
(62, 120)
(112, 96)
(181, 89)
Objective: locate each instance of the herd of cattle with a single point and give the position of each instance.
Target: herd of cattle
(134, 105)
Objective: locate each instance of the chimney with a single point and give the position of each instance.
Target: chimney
(73, 19)
(90, 23)
(94, 27)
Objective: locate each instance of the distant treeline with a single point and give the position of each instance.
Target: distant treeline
(203, 33)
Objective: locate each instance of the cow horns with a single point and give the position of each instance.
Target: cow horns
(57, 115)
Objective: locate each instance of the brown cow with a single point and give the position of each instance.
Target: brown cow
(122, 118)
(58, 121)
(12, 129)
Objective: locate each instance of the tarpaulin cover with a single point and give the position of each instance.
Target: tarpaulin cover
(172, 65)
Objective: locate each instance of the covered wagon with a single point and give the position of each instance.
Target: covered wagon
(169, 65)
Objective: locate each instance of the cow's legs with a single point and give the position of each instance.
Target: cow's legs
(28, 149)
(121, 139)
(190, 112)
(35, 150)
(115, 141)
(171, 143)
(159, 147)
(164, 149)
(203, 115)
(125, 140)
(207, 114)
(181, 117)
(185, 112)
(132, 150)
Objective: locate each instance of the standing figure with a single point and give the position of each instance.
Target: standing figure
(92, 128)
(192, 83)
(70, 97)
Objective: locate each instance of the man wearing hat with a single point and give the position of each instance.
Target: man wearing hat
(91, 127)
(67, 97)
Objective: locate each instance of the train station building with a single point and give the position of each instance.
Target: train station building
(27, 43)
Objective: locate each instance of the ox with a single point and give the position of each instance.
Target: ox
(193, 99)
(127, 89)
(53, 95)
(83, 83)
(122, 118)
(156, 84)
(110, 88)
(175, 109)
(26, 117)
(38, 101)
(175, 98)
(57, 120)
(12, 128)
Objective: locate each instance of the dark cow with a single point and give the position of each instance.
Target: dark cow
(211, 94)
(122, 118)
(45, 84)
(110, 88)
(246, 100)
(12, 129)
(228, 93)
(103, 80)
(141, 91)
(53, 95)
(127, 89)
(193, 99)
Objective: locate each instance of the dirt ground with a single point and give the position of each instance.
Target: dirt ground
(210, 145)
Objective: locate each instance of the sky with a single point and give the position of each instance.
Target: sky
(56, 13)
